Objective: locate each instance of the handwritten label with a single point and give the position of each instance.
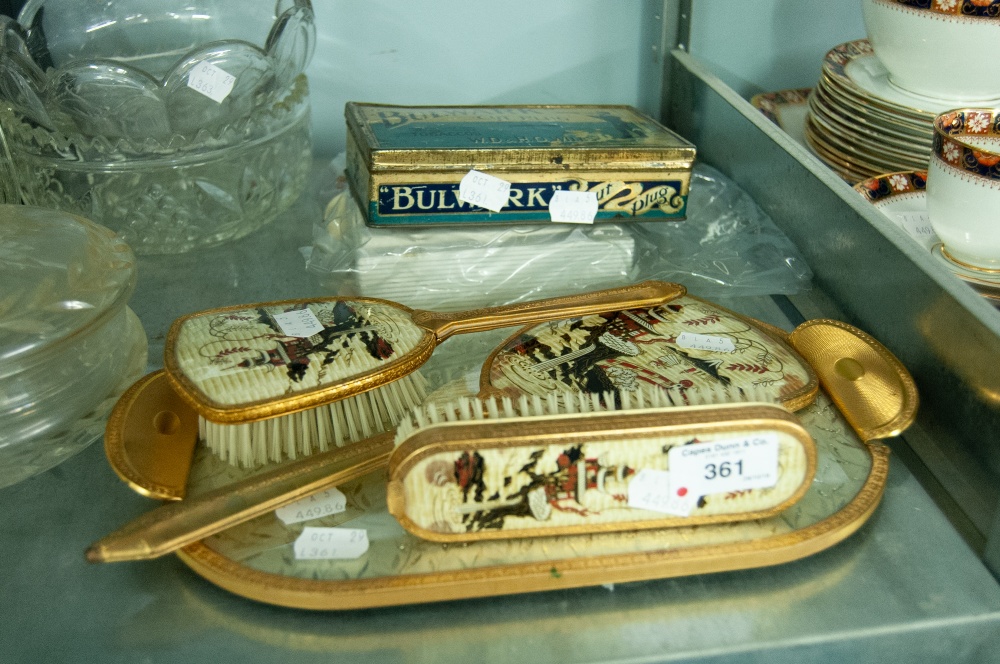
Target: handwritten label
(731, 464)
(211, 81)
(918, 226)
(484, 190)
(651, 490)
(574, 207)
(705, 342)
(324, 503)
(298, 323)
(331, 543)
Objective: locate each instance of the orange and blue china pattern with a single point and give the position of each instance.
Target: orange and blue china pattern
(892, 184)
(966, 8)
(839, 56)
(768, 103)
(951, 127)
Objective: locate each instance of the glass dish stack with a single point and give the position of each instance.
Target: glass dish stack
(177, 125)
(69, 345)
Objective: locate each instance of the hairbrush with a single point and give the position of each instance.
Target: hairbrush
(567, 464)
(278, 380)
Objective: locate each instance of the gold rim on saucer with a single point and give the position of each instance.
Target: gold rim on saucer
(967, 266)
(872, 109)
(855, 68)
(981, 281)
(852, 122)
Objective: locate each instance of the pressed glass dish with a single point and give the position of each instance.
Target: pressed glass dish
(69, 345)
(176, 125)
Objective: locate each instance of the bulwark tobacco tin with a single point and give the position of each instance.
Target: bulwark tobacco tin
(405, 163)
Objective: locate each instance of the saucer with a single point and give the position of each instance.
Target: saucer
(868, 149)
(847, 154)
(904, 127)
(860, 124)
(785, 108)
(980, 278)
(850, 120)
(846, 168)
(857, 70)
(902, 197)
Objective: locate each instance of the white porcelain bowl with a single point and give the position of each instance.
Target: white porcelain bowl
(963, 186)
(940, 50)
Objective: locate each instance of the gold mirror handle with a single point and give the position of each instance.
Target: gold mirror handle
(869, 385)
(150, 437)
(642, 295)
(175, 525)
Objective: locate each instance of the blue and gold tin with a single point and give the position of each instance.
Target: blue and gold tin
(404, 163)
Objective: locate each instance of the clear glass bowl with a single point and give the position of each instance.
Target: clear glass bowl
(177, 125)
(69, 345)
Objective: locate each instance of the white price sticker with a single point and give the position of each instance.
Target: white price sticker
(211, 81)
(331, 543)
(705, 342)
(484, 190)
(731, 464)
(918, 226)
(651, 489)
(298, 323)
(324, 503)
(574, 207)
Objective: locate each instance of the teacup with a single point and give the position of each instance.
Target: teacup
(937, 48)
(963, 186)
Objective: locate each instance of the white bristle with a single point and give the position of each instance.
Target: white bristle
(573, 402)
(508, 407)
(464, 408)
(476, 408)
(318, 429)
(288, 448)
(536, 404)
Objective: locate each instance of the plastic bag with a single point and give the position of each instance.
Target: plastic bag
(726, 247)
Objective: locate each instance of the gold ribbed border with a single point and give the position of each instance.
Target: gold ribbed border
(795, 400)
(903, 403)
(595, 428)
(318, 396)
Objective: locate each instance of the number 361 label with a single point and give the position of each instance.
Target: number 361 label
(731, 464)
(330, 543)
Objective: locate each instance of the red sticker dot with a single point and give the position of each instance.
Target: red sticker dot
(682, 491)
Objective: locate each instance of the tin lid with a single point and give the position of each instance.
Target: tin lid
(557, 138)
(63, 275)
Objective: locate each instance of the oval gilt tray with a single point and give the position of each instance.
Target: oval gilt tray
(256, 559)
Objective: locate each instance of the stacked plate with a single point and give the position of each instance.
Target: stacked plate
(860, 124)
